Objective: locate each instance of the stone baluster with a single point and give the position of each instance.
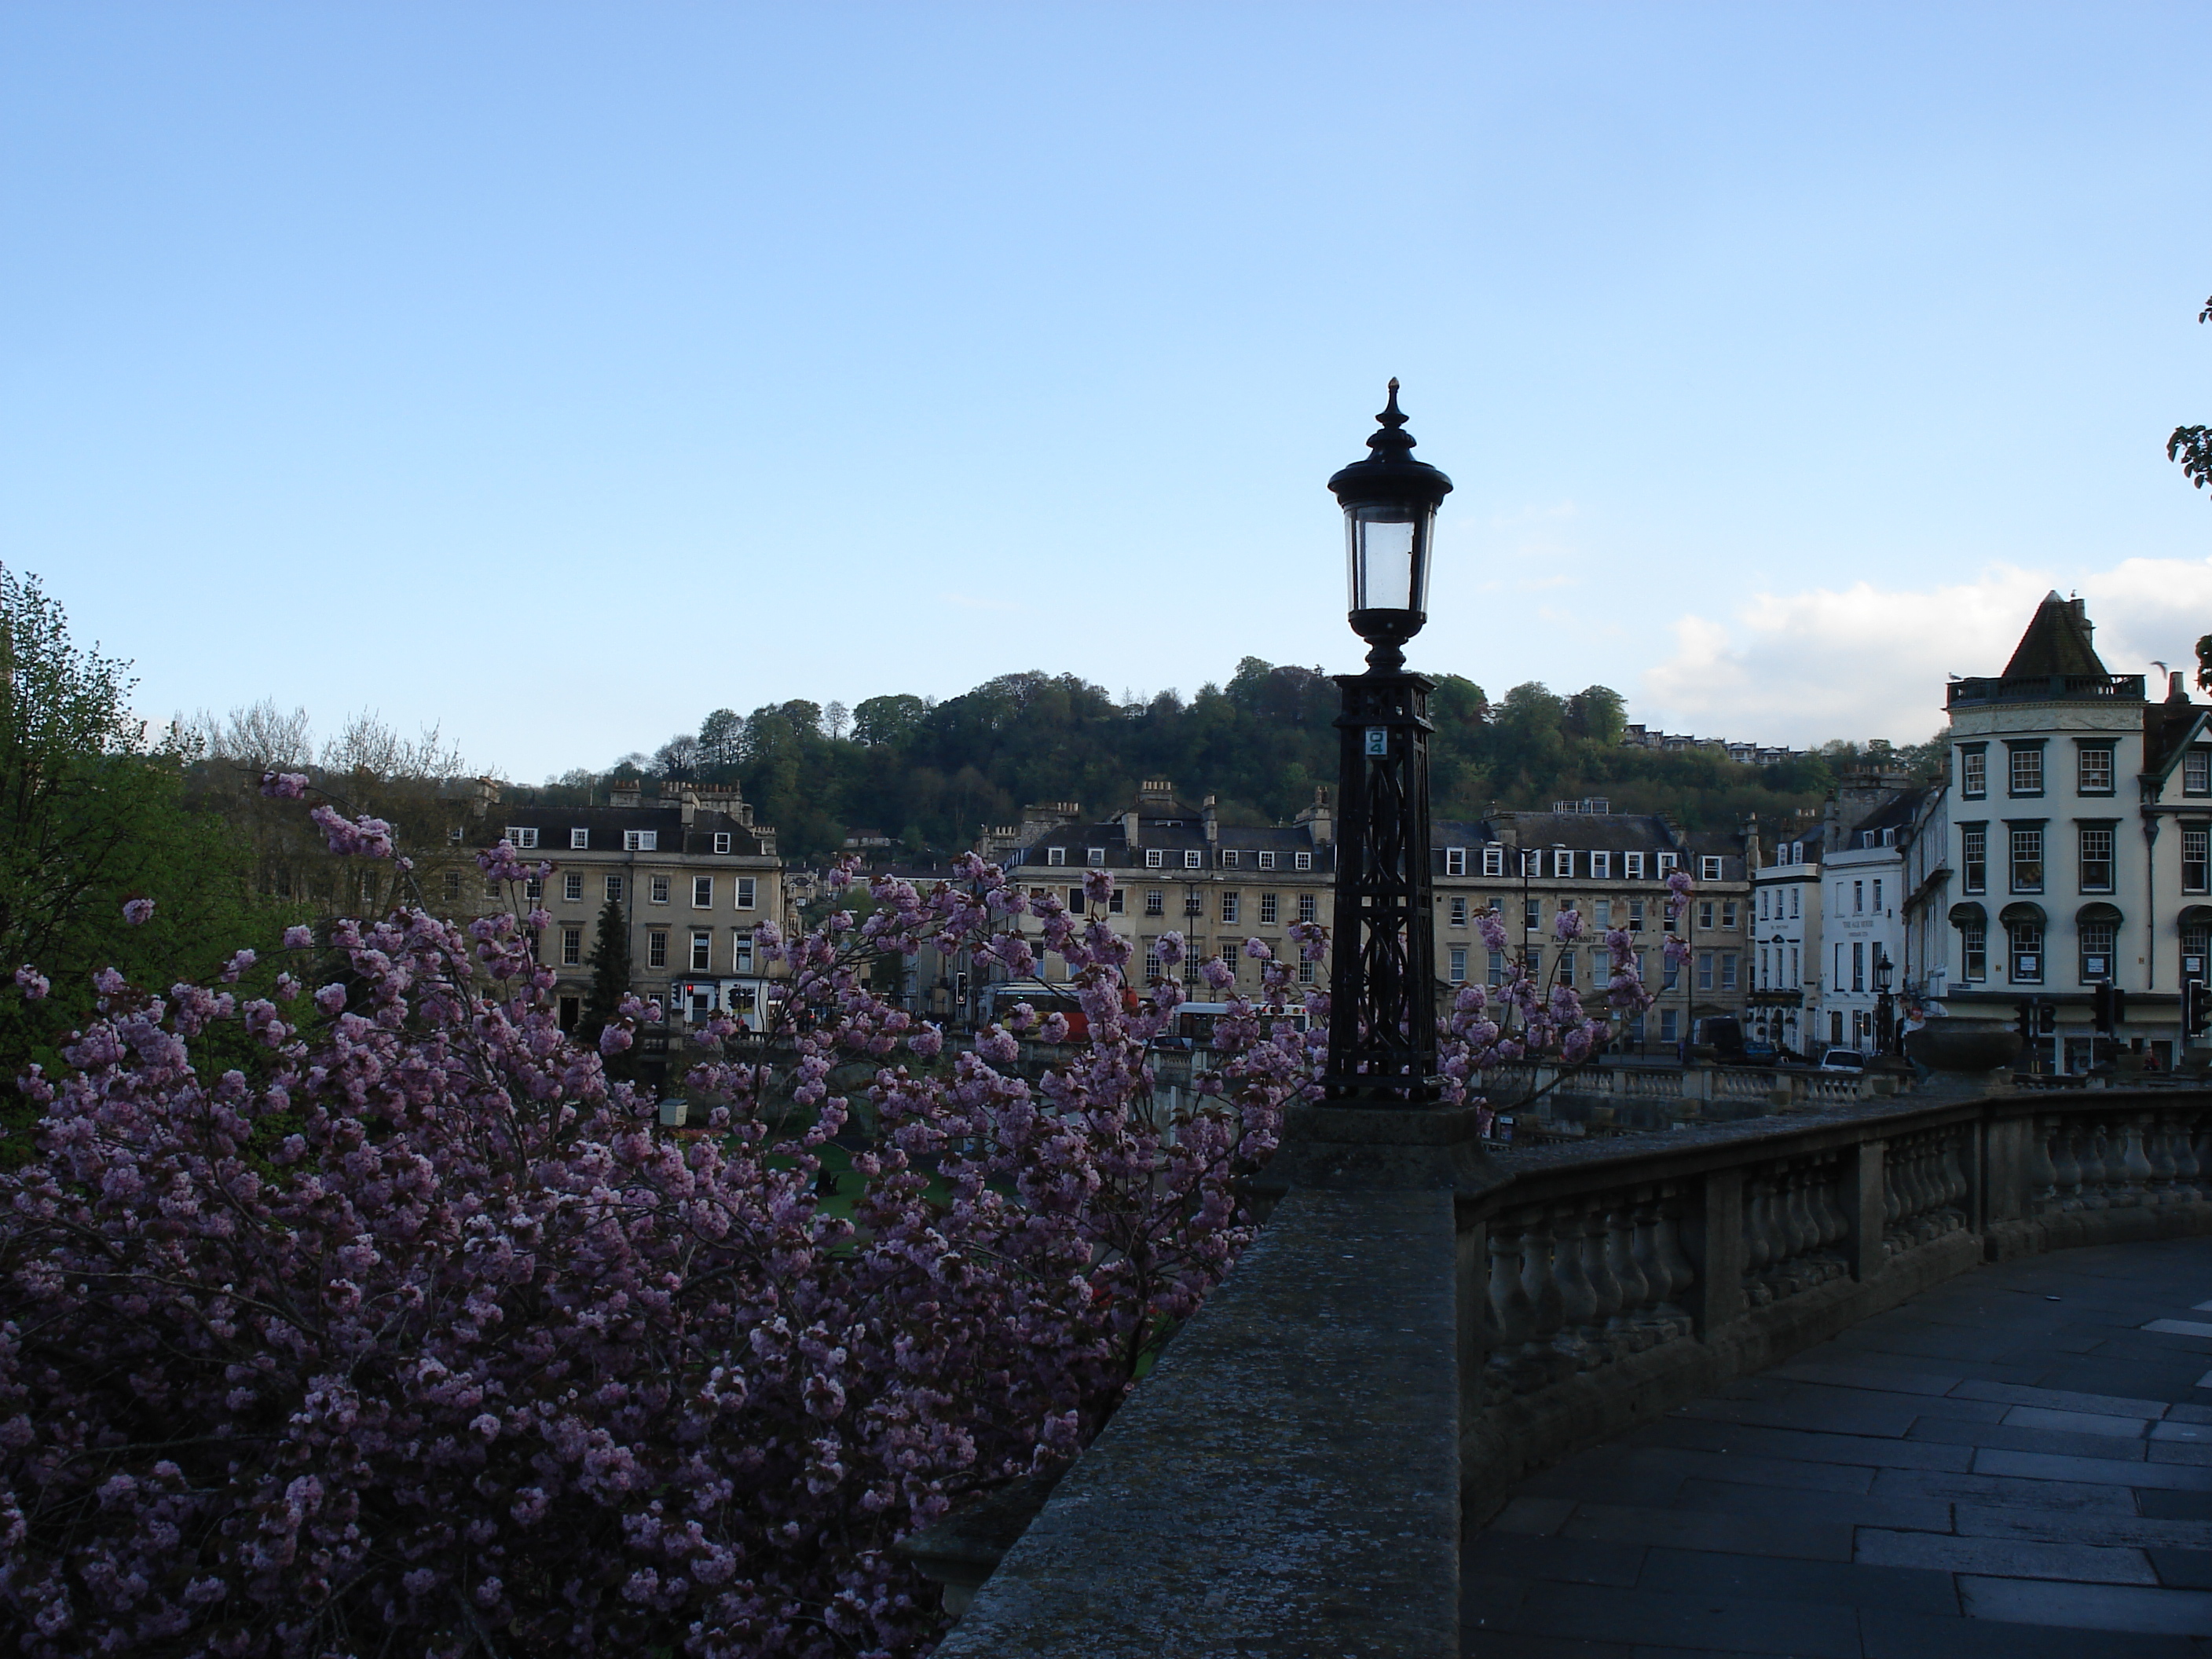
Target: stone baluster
(1632, 1324)
(1673, 1263)
(1835, 1225)
(1954, 1179)
(1905, 1162)
(2096, 1171)
(1576, 1304)
(1605, 1289)
(2042, 1173)
(1935, 1219)
(2158, 1148)
(1758, 1240)
(1797, 1230)
(1541, 1287)
(2197, 1136)
(1511, 1318)
(2065, 1164)
(1652, 1227)
(2188, 1170)
(2135, 1171)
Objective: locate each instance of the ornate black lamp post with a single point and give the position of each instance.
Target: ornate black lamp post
(1382, 1008)
(1884, 1010)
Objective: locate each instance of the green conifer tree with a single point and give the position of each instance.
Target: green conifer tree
(610, 973)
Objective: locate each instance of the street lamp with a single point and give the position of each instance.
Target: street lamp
(1885, 1014)
(1383, 1012)
(1390, 502)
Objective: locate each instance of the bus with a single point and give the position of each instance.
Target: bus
(1193, 1027)
(999, 1000)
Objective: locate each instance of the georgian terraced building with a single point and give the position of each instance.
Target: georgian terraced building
(1613, 869)
(2073, 847)
(693, 877)
(1178, 868)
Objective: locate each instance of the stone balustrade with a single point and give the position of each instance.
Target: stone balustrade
(1427, 1312)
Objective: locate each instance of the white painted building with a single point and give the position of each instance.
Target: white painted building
(2077, 833)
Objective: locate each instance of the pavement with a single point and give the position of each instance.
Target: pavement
(2017, 1463)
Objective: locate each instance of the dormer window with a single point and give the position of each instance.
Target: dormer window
(1493, 860)
(1709, 869)
(1667, 861)
(1633, 865)
(580, 840)
(1055, 855)
(1229, 857)
(1563, 862)
(1601, 866)
(1266, 860)
(640, 841)
(1194, 860)
(1302, 860)
(521, 835)
(1095, 857)
(722, 840)
(1455, 860)
(1154, 858)
(2197, 772)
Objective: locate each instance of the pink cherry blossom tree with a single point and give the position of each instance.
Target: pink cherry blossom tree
(350, 1307)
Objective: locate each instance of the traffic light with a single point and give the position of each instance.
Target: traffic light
(2196, 1007)
(2104, 1006)
(2026, 1022)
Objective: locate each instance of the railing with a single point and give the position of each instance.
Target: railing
(1770, 1088)
(2044, 688)
(1331, 1384)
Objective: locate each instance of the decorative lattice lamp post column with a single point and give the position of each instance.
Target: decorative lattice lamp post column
(1382, 1004)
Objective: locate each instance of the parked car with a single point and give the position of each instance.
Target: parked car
(1843, 1060)
(1759, 1053)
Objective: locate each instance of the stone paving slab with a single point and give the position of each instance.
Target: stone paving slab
(2018, 1463)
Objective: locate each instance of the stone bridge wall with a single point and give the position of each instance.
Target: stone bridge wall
(1424, 1319)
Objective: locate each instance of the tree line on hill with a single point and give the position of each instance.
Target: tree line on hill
(97, 810)
(927, 774)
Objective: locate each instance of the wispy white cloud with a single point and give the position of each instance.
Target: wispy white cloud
(1863, 661)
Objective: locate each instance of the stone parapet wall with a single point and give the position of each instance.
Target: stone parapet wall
(1427, 1318)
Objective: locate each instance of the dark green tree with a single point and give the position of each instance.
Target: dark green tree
(2192, 445)
(91, 817)
(610, 975)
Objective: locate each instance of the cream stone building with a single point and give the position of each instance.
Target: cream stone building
(693, 878)
(1612, 868)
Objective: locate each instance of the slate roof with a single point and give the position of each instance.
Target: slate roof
(2057, 641)
(2169, 728)
(1897, 815)
(1175, 833)
(607, 823)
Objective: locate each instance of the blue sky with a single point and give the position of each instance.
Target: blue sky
(557, 374)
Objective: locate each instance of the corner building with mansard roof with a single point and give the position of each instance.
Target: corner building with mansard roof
(2075, 850)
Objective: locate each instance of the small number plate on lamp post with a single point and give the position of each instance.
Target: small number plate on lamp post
(1378, 739)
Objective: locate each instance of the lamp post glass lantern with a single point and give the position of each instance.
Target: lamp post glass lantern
(1382, 1008)
(1389, 502)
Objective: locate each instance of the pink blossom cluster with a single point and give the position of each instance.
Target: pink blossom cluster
(378, 1319)
(375, 1317)
(1528, 1014)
